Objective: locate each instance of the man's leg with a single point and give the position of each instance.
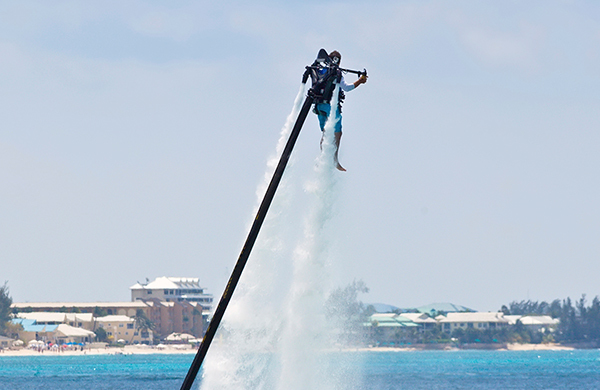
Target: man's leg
(338, 138)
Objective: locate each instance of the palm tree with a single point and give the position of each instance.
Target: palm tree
(142, 323)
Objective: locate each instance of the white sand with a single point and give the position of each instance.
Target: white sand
(178, 349)
(127, 350)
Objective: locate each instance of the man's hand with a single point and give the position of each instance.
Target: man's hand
(361, 80)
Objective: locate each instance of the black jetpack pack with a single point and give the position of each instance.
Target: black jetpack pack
(324, 73)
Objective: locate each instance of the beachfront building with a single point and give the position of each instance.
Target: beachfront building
(424, 321)
(58, 333)
(6, 342)
(170, 289)
(66, 334)
(534, 322)
(76, 320)
(174, 305)
(109, 308)
(32, 331)
(123, 329)
(471, 320)
(389, 328)
(167, 317)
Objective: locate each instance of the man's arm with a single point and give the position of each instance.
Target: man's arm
(349, 87)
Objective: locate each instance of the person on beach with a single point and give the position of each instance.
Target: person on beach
(323, 106)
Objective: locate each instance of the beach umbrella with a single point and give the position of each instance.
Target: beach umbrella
(34, 343)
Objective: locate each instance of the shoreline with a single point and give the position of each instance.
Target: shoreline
(126, 350)
(475, 347)
(175, 349)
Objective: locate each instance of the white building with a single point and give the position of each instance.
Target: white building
(119, 327)
(76, 320)
(173, 290)
(476, 320)
(421, 319)
(534, 322)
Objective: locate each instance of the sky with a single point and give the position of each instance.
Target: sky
(133, 136)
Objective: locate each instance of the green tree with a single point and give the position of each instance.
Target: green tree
(101, 335)
(346, 311)
(98, 312)
(12, 330)
(5, 311)
(142, 323)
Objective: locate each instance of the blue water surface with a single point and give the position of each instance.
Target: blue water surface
(483, 370)
(371, 370)
(92, 372)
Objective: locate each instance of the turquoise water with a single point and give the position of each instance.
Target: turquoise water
(483, 370)
(377, 370)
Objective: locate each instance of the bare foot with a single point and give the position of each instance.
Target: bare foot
(340, 168)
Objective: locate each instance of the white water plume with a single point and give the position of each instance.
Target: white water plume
(240, 355)
(306, 335)
(265, 345)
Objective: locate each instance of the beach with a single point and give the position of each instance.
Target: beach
(187, 349)
(126, 350)
(494, 347)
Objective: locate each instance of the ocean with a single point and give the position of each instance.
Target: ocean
(485, 370)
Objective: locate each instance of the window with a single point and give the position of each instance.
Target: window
(120, 325)
(149, 292)
(129, 326)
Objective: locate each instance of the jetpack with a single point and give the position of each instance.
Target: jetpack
(325, 73)
(320, 72)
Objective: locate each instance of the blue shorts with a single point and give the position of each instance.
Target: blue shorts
(322, 110)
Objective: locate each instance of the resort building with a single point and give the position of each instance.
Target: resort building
(107, 308)
(473, 320)
(424, 321)
(123, 329)
(534, 322)
(174, 305)
(6, 342)
(167, 317)
(171, 289)
(57, 333)
(76, 320)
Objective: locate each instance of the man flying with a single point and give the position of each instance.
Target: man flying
(323, 105)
